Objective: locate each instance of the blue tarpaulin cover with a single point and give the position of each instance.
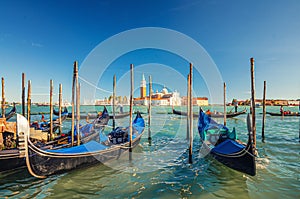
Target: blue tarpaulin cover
(207, 124)
(228, 147)
(91, 146)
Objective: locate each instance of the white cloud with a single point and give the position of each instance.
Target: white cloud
(36, 45)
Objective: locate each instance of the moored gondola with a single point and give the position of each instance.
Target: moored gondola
(13, 156)
(214, 115)
(224, 146)
(44, 125)
(91, 115)
(11, 113)
(284, 114)
(42, 163)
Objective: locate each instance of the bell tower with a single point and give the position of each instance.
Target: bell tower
(143, 87)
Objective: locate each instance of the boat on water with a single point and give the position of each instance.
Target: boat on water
(42, 163)
(223, 145)
(44, 125)
(11, 113)
(12, 155)
(285, 113)
(214, 115)
(91, 115)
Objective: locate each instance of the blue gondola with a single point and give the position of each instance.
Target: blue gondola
(42, 163)
(224, 146)
(11, 113)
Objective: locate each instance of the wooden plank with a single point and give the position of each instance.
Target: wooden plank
(38, 135)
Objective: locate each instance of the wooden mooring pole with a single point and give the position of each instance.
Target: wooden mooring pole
(3, 98)
(77, 105)
(188, 109)
(51, 110)
(299, 117)
(23, 94)
(28, 100)
(114, 102)
(73, 103)
(130, 110)
(191, 114)
(149, 110)
(60, 107)
(264, 113)
(224, 104)
(253, 101)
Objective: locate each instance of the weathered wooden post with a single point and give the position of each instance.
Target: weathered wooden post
(130, 111)
(114, 102)
(23, 94)
(264, 113)
(51, 110)
(149, 110)
(188, 109)
(191, 114)
(3, 98)
(77, 105)
(59, 107)
(299, 117)
(225, 111)
(73, 102)
(253, 101)
(28, 100)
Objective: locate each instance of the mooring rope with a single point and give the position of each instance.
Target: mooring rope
(91, 84)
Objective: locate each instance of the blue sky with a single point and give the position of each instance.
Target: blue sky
(44, 38)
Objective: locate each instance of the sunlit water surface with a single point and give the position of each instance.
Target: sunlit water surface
(161, 170)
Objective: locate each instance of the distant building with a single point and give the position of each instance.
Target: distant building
(162, 98)
(101, 102)
(197, 101)
(293, 103)
(270, 102)
(119, 101)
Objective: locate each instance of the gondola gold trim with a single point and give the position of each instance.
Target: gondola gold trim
(27, 158)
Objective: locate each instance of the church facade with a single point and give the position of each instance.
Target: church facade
(162, 98)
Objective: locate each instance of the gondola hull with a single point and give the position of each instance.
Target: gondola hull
(223, 146)
(42, 163)
(10, 159)
(195, 116)
(279, 114)
(243, 160)
(59, 163)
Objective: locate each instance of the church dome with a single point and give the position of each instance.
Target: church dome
(164, 91)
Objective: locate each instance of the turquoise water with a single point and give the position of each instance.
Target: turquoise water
(162, 170)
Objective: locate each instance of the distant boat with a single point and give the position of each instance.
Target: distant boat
(223, 145)
(258, 105)
(91, 115)
(67, 104)
(44, 126)
(285, 114)
(214, 115)
(42, 104)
